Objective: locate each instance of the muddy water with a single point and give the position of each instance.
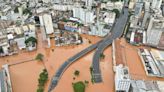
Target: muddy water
(24, 76)
(134, 62)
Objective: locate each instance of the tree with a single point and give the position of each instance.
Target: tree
(79, 86)
(90, 42)
(31, 39)
(43, 77)
(102, 56)
(16, 9)
(117, 12)
(91, 68)
(1, 50)
(86, 82)
(39, 57)
(76, 73)
(65, 20)
(91, 72)
(27, 11)
(115, 0)
(40, 89)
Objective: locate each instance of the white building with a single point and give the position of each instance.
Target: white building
(122, 79)
(156, 4)
(46, 1)
(5, 79)
(84, 15)
(113, 5)
(21, 43)
(89, 3)
(46, 21)
(154, 30)
(109, 17)
(62, 7)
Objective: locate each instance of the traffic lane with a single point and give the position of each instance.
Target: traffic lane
(120, 24)
(64, 66)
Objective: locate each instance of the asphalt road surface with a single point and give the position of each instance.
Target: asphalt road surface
(67, 63)
(117, 31)
(101, 45)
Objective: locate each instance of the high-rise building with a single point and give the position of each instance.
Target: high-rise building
(155, 30)
(57, 1)
(88, 3)
(84, 15)
(46, 1)
(156, 4)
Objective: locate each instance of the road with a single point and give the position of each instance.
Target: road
(117, 31)
(67, 63)
(101, 45)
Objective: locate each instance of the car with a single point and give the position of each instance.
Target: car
(126, 6)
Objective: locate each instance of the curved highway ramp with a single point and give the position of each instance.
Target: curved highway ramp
(101, 45)
(67, 63)
(117, 31)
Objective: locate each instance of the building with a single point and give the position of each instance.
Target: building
(156, 4)
(155, 30)
(5, 82)
(113, 5)
(13, 38)
(109, 17)
(46, 1)
(62, 7)
(89, 3)
(146, 15)
(152, 65)
(46, 21)
(86, 16)
(21, 42)
(122, 79)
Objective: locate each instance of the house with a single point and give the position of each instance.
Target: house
(21, 43)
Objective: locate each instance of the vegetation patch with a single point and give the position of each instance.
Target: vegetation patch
(102, 56)
(77, 73)
(39, 57)
(31, 39)
(117, 12)
(91, 72)
(43, 77)
(79, 86)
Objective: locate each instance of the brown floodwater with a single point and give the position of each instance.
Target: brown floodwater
(24, 76)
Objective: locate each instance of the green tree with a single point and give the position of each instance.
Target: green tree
(79, 86)
(27, 11)
(43, 77)
(102, 56)
(86, 82)
(16, 9)
(40, 89)
(76, 73)
(31, 39)
(91, 69)
(39, 57)
(1, 50)
(115, 0)
(117, 12)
